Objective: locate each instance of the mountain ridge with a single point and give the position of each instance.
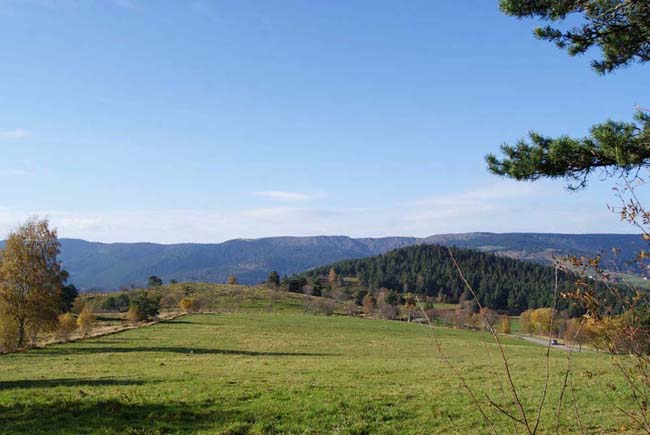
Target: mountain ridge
(109, 266)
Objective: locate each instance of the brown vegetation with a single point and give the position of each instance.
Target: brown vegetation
(135, 315)
(86, 320)
(189, 304)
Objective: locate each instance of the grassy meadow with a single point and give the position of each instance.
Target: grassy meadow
(280, 371)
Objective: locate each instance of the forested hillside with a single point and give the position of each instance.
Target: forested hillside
(501, 283)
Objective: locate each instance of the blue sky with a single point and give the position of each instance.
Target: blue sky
(171, 121)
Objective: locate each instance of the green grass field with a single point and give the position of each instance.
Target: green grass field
(259, 372)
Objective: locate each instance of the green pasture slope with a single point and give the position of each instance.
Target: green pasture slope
(286, 372)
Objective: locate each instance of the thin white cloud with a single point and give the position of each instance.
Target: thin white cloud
(18, 133)
(505, 190)
(273, 212)
(472, 206)
(284, 196)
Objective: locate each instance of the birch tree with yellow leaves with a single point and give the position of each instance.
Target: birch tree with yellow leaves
(31, 279)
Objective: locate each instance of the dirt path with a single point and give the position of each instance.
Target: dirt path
(101, 332)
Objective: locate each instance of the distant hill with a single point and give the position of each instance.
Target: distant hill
(541, 247)
(501, 283)
(111, 265)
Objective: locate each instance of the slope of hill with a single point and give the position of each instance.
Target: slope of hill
(212, 297)
(111, 265)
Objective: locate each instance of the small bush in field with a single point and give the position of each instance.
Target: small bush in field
(145, 304)
(134, 314)
(321, 306)
(388, 311)
(66, 326)
(505, 324)
(189, 305)
(368, 305)
(86, 320)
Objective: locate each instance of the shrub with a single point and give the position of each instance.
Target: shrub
(320, 306)
(116, 303)
(86, 320)
(122, 302)
(368, 305)
(66, 326)
(526, 322)
(542, 318)
(505, 324)
(388, 311)
(189, 304)
(134, 314)
(147, 305)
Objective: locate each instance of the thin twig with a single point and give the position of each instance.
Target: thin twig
(547, 372)
(504, 411)
(500, 382)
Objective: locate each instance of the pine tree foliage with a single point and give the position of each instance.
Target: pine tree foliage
(614, 147)
(620, 28)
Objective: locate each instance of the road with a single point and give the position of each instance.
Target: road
(544, 342)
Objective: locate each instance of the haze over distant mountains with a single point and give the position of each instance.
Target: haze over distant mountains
(112, 265)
